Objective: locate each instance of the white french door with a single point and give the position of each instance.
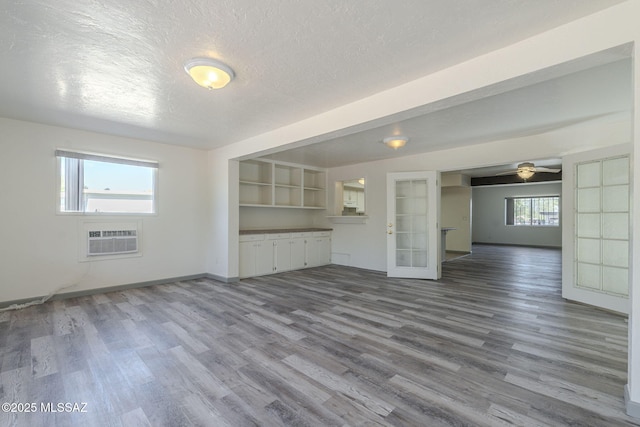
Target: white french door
(596, 227)
(413, 230)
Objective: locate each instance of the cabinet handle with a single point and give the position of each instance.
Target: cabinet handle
(389, 232)
(390, 225)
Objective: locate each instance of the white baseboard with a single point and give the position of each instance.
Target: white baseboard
(633, 408)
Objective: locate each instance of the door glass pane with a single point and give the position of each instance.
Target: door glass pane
(615, 226)
(403, 258)
(589, 200)
(419, 188)
(615, 253)
(403, 206)
(589, 225)
(403, 241)
(403, 223)
(419, 241)
(588, 276)
(420, 223)
(403, 188)
(419, 259)
(588, 175)
(615, 199)
(420, 206)
(615, 280)
(615, 171)
(589, 250)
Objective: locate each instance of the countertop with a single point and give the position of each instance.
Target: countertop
(283, 230)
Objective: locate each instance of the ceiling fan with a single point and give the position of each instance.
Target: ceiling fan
(527, 169)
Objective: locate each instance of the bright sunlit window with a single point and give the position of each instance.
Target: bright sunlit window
(98, 184)
(533, 211)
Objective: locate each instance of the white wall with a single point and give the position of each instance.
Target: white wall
(489, 216)
(39, 248)
(271, 217)
(455, 211)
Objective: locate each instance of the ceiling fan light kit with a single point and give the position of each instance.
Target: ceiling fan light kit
(526, 170)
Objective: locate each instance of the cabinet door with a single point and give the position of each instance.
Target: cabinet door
(360, 197)
(324, 250)
(264, 257)
(297, 253)
(318, 251)
(282, 255)
(247, 259)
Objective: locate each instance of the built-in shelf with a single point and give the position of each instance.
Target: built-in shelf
(277, 184)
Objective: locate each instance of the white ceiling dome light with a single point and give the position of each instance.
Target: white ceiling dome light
(395, 142)
(209, 73)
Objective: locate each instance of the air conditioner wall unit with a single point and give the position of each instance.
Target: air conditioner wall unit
(112, 242)
(109, 240)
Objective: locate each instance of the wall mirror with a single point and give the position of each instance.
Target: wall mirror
(353, 196)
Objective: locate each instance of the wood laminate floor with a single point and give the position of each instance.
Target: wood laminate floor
(490, 344)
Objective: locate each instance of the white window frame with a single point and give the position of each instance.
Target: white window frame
(62, 154)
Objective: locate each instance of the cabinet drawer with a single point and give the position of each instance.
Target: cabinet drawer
(321, 234)
(301, 234)
(251, 237)
(278, 236)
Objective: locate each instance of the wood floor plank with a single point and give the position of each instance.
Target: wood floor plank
(43, 356)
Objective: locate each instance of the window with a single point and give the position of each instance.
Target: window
(533, 211)
(92, 183)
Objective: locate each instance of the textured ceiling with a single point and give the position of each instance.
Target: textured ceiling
(116, 66)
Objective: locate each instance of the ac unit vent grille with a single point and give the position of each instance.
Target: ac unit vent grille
(112, 242)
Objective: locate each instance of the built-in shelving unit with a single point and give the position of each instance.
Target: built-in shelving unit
(277, 184)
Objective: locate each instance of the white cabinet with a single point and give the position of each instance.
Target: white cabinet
(256, 255)
(318, 249)
(354, 199)
(277, 252)
(298, 244)
(282, 251)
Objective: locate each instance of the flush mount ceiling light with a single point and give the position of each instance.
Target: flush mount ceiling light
(395, 142)
(209, 73)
